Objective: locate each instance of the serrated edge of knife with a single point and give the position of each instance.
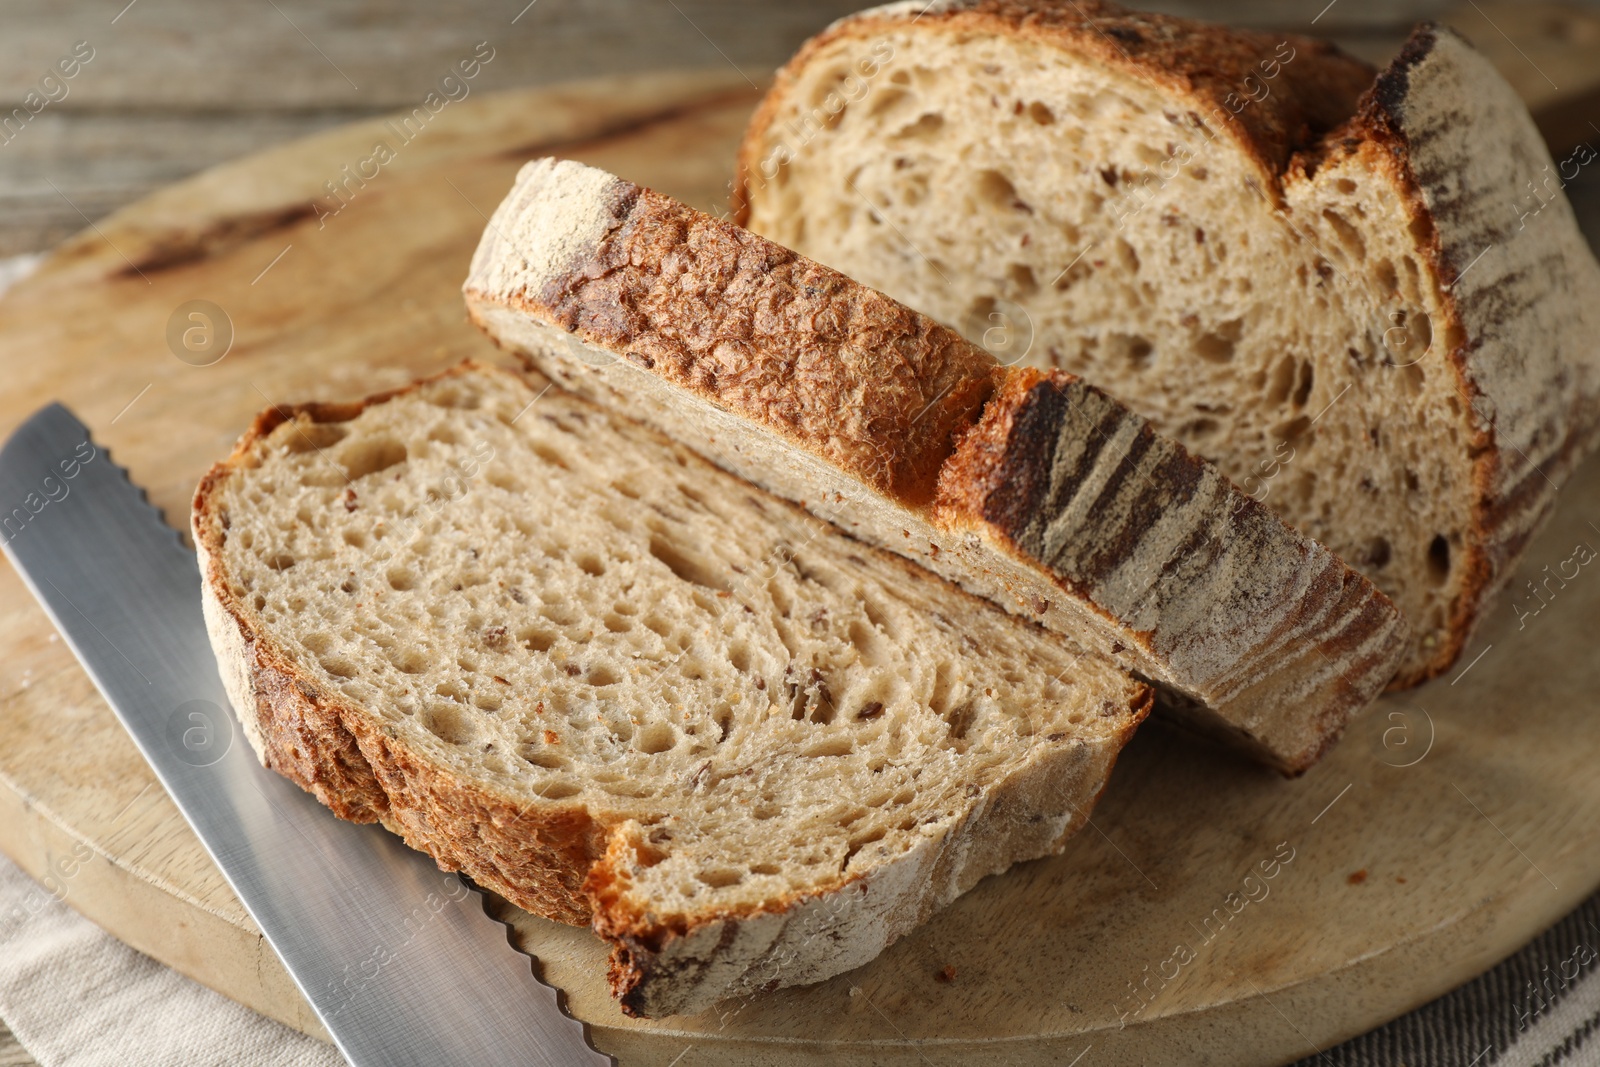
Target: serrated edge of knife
(144, 494)
(535, 965)
(102, 451)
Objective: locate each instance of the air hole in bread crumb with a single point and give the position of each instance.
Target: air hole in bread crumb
(536, 640)
(960, 721)
(720, 877)
(885, 100)
(409, 661)
(370, 455)
(1387, 280)
(1282, 380)
(601, 676)
(559, 614)
(656, 738)
(503, 479)
(840, 745)
(281, 561)
(537, 757)
(1302, 391)
(591, 565)
(866, 641)
(306, 436)
(1217, 346)
(1379, 553)
(858, 843)
(1128, 256)
(1130, 348)
(943, 690)
(1438, 560)
(996, 189)
(926, 126)
(1349, 237)
(449, 723)
(549, 455)
(1041, 114)
(1023, 283)
(764, 868)
(402, 578)
(260, 601)
(685, 566)
(337, 666)
(558, 790)
(1294, 429)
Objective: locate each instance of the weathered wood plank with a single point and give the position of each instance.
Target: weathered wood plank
(12, 1054)
(173, 88)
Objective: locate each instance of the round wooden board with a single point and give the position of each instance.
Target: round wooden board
(1451, 825)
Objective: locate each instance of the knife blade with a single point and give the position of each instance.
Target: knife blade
(398, 959)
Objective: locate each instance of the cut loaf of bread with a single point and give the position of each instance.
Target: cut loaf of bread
(1058, 503)
(1367, 301)
(620, 686)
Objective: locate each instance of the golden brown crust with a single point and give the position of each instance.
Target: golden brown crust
(1312, 92)
(911, 383)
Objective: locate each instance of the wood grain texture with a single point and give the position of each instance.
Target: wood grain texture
(12, 1054)
(1450, 825)
(175, 87)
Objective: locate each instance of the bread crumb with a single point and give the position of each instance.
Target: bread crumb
(1358, 877)
(947, 974)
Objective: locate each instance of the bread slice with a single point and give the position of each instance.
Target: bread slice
(619, 686)
(1060, 505)
(1367, 301)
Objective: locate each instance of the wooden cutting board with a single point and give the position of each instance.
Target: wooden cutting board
(1451, 825)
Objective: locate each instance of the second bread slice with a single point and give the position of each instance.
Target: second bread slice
(1060, 504)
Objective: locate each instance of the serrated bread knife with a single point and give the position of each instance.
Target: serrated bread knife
(398, 959)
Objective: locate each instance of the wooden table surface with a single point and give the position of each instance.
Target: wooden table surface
(173, 86)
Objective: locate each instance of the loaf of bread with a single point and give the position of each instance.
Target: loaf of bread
(1038, 492)
(622, 687)
(1363, 297)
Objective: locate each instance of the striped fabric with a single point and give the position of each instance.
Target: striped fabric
(1539, 1008)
